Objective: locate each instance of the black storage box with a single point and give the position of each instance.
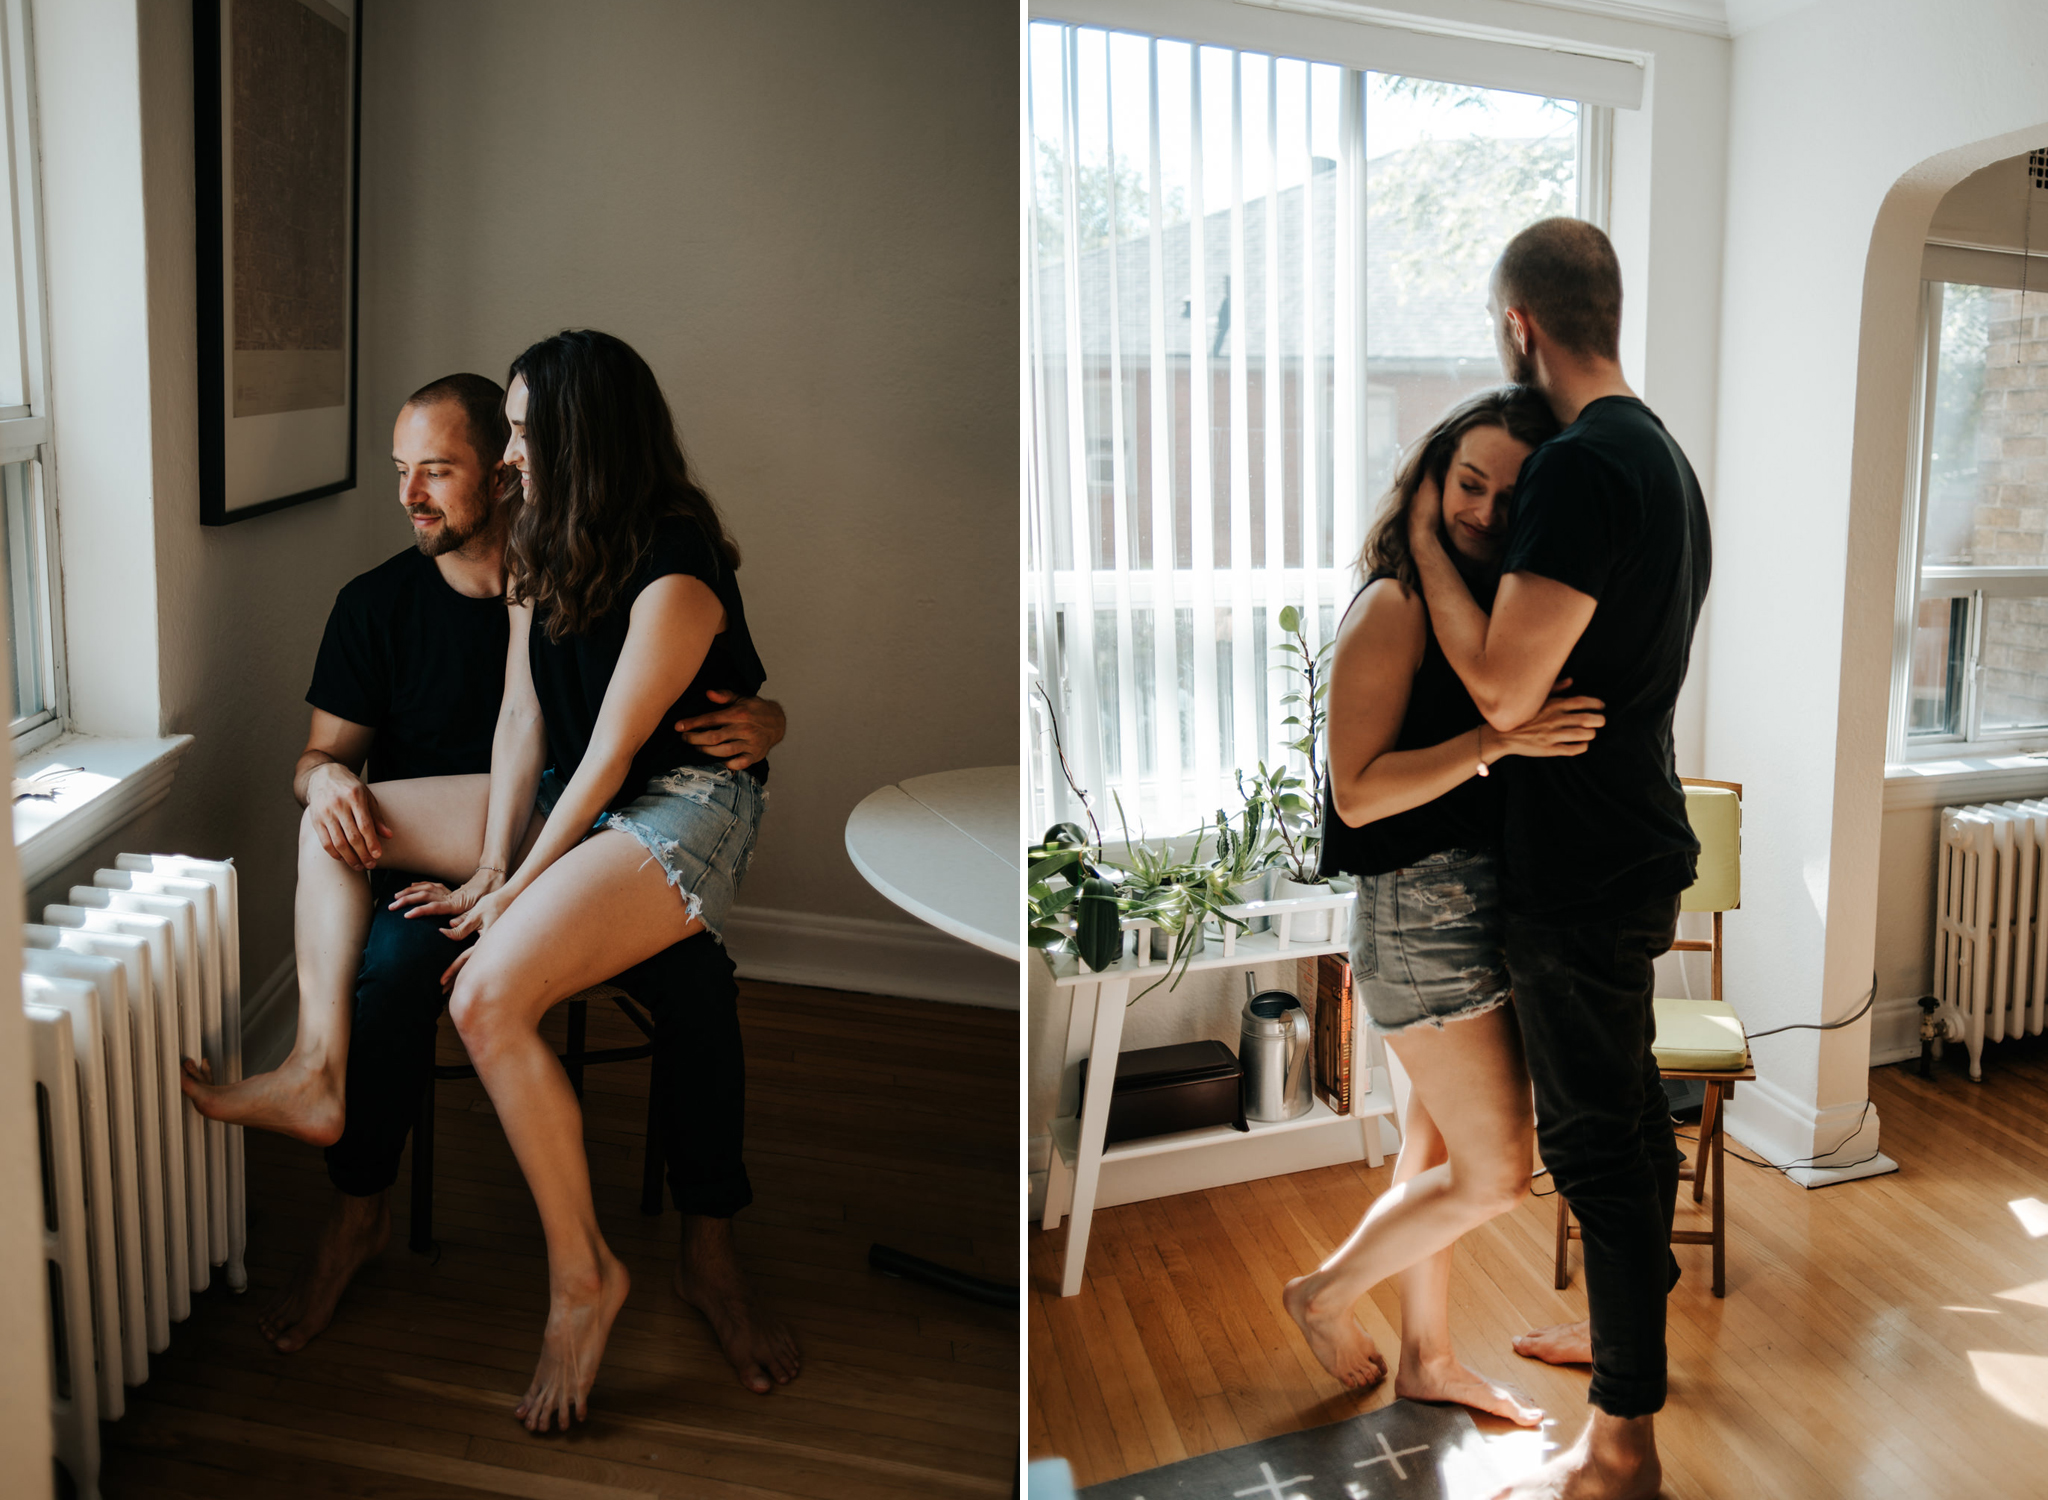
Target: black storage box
(1159, 1090)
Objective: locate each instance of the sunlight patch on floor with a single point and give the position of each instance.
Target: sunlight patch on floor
(1500, 1458)
(2035, 1293)
(2032, 1214)
(2017, 1382)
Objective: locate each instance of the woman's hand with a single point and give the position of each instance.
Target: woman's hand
(1425, 514)
(1563, 726)
(430, 898)
(474, 922)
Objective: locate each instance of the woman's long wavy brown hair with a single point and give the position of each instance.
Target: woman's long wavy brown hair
(606, 465)
(1516, 409)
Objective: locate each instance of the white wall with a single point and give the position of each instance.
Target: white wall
(1670, 161)
(1848, 121)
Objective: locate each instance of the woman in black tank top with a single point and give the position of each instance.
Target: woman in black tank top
(1413, 814)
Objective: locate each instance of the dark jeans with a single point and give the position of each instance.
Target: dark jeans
(699, 1067)
(1582, 996)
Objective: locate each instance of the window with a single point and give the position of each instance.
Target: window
(1252, 281)
(1974, 650)
(34, 638)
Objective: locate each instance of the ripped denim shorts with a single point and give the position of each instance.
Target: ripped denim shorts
(699, 823)
(1426, 941)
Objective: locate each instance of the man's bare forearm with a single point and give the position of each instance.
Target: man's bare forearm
(1460, 624)
(309, 763)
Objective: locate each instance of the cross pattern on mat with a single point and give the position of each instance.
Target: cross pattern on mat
(1272, 1488)
(1389, 1456)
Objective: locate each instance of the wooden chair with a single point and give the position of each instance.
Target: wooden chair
(574, 1061)
(1700, 1039)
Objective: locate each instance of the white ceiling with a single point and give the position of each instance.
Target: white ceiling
(1714, 17)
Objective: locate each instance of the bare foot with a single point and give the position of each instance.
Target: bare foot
(296, 1099)
(579, 1321)
(1560, 1344)
(761, 1349)
(356, 1231)
(1334, 1336)
(1614, 1459)
(1451, 1380)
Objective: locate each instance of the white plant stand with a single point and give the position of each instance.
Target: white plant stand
(1083, 1175)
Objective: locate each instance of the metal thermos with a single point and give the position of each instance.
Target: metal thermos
(1275, 1046)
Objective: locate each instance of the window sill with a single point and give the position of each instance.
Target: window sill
(114, 782)
(1965, 778)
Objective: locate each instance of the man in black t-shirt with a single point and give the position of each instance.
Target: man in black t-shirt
(1602, 582)
(408, 683)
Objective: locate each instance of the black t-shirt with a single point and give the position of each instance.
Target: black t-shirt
(570, 675)
(1468, 816)
(424, 666)
(1611, 508)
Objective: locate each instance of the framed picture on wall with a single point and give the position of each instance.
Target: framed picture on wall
(275, 101)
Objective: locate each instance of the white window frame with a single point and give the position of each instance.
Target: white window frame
(25, 433)
(1598, 80)
(1918, 583)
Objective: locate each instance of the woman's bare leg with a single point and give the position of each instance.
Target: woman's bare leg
(601, 908)
(1430, 1369)
(437, 828)
(1472, 1074)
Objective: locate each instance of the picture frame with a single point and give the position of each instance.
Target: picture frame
(276, 106)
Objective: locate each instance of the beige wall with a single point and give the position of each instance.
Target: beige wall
(802, 213)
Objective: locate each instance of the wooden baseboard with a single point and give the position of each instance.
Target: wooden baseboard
(875, 958)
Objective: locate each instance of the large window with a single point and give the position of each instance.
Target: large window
(1253, 281)
(1974, 664)
(34, 641)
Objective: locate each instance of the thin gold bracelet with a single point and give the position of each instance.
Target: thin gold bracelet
(494, 869)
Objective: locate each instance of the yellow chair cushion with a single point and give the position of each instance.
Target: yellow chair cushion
(1716, 817)
(1700, 1036)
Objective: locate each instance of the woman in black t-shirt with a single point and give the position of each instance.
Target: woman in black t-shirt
(1411, 814)
(626, 612)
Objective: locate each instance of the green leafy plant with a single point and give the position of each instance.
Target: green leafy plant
(1297, 801)
(1245, 849)
(1176, 895)
(1082, 910)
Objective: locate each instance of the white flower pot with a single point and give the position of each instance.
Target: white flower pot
(1304, 927)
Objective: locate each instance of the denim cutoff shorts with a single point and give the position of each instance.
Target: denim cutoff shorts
(698, 823)
(1426, 941)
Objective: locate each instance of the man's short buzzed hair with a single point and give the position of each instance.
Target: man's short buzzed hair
(482, 401)
(1565, 274)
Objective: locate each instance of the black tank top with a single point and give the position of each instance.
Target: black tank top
(1466, 817)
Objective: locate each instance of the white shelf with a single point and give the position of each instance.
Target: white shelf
(1187, 1161)
(1233, 950)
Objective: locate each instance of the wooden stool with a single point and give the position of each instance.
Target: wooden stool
(1700, 1039)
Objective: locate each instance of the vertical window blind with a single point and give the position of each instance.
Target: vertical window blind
(1252, 281)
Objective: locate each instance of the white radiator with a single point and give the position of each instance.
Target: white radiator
(1990, 936)
(142, 1197)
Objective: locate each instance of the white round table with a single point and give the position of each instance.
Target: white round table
(949, 849)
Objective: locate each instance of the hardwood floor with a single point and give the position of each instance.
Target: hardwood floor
(1881, 1338)
(867, 1119)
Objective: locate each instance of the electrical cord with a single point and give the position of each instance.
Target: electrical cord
(1869, 1001)
(1785, 1169)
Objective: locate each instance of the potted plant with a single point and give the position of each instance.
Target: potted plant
(1244, 852)
(1178, 896)
(1082, 911)
(1296, 801)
